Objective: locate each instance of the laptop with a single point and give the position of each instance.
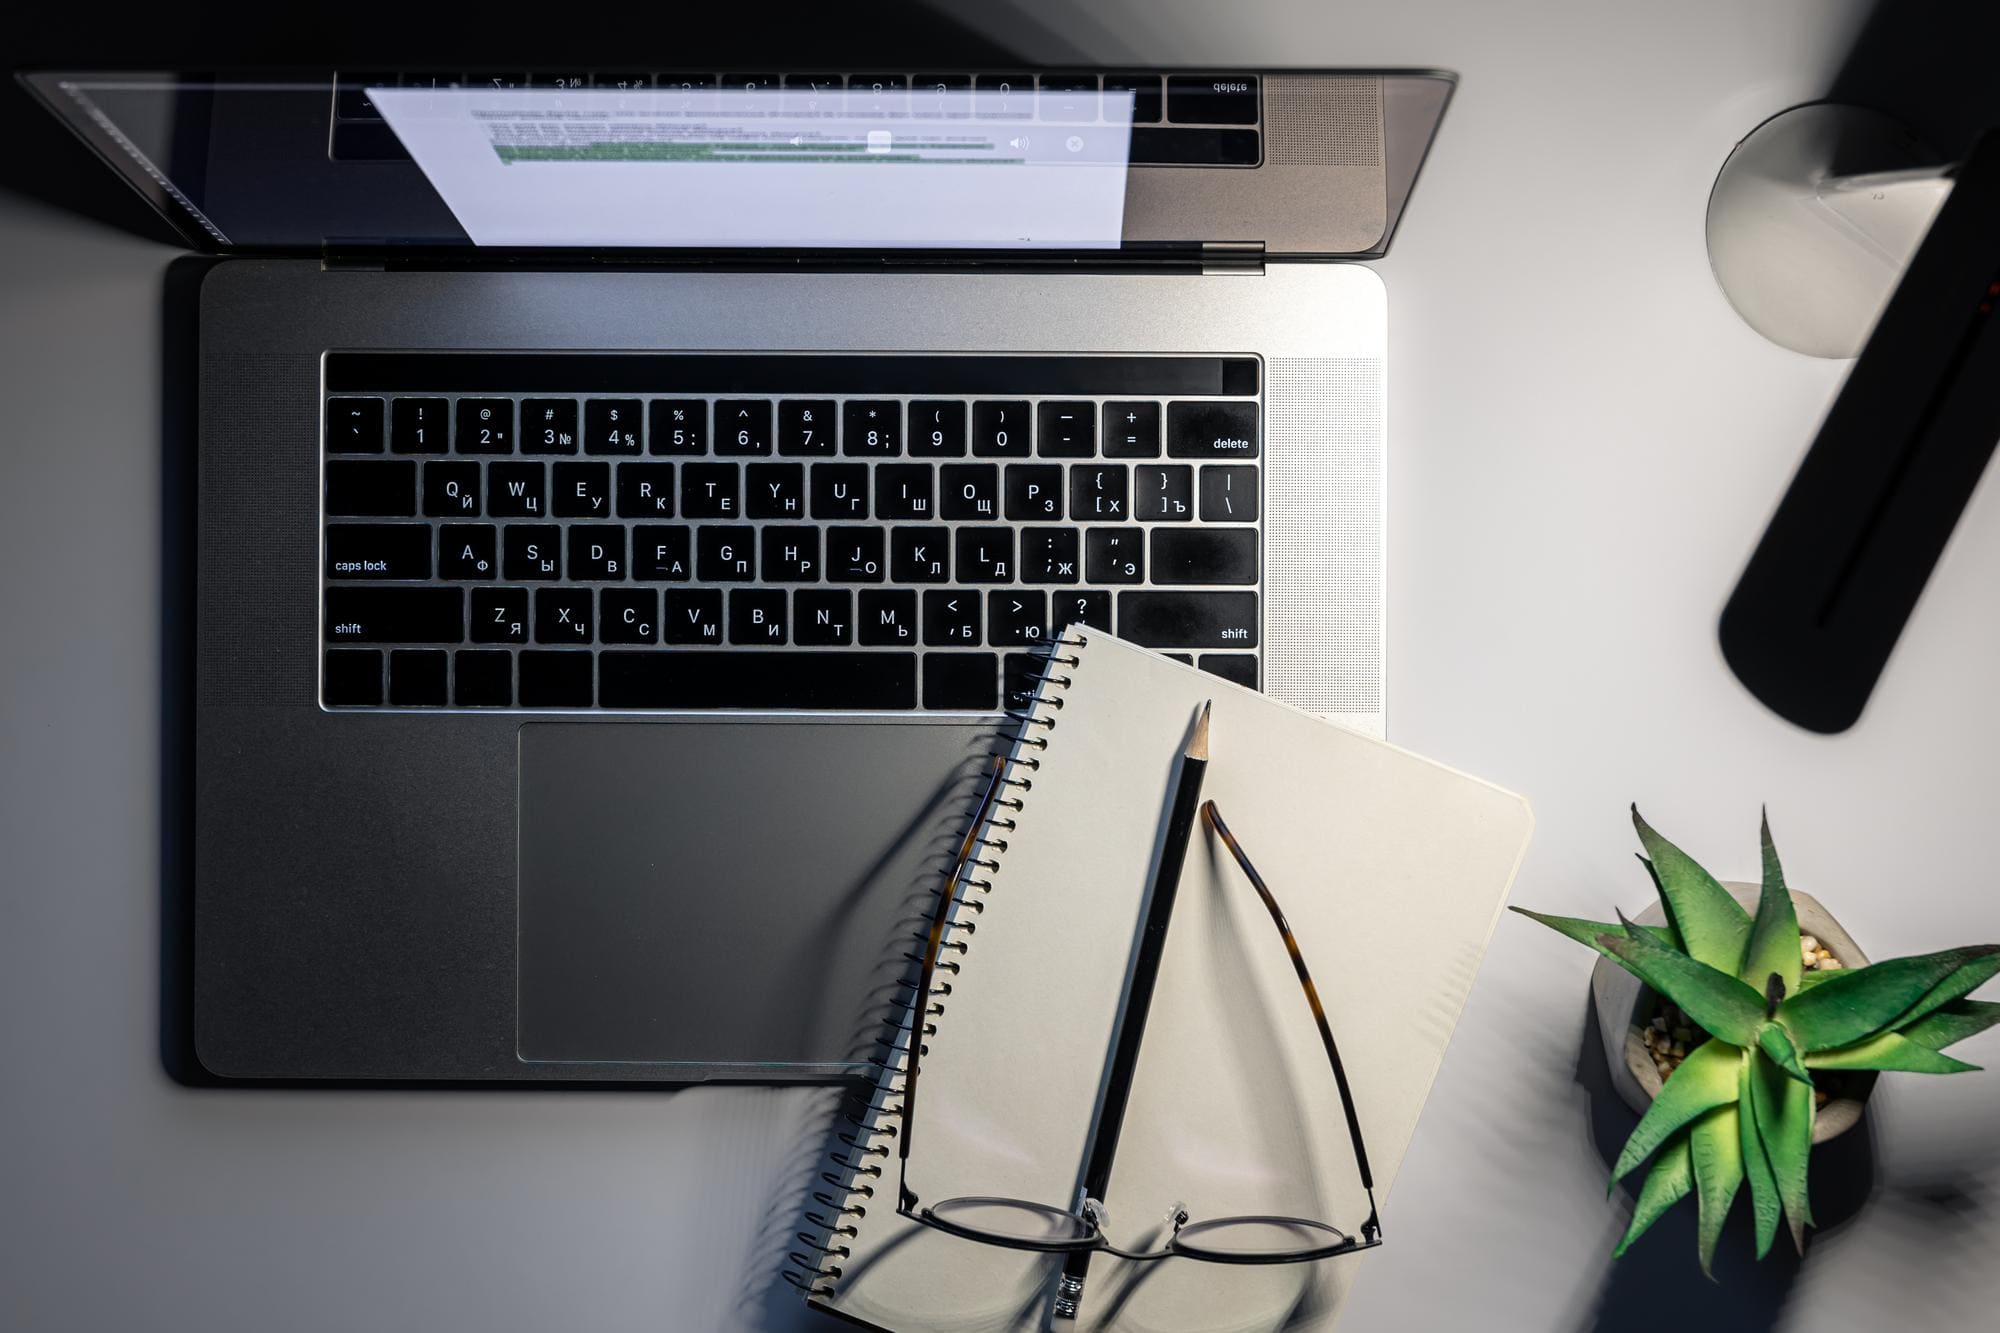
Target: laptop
(624, 505)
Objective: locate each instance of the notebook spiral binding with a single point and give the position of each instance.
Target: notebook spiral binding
(853, 1163)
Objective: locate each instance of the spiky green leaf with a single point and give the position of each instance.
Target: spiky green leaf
(1666, 1184)
(1775, 1042)
(1715, 999)
(1765, 1207)
(1673, 939)
(1704, 1081)
(1715, 1141)
(1859, 1002)
(1953, 1023)
(1712, 925)
(1774, 933)
(1586, 932)
(1967, 979)
(1784, 1110)
(1889, 1051)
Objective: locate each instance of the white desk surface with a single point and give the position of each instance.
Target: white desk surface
(1586, 443)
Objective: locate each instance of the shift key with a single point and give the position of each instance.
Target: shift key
(1188, 619)
(395, 615)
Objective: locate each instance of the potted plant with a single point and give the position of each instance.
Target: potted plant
(1737, 1101)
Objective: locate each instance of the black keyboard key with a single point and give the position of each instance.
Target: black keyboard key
(855, 555)
(1001, 430)
(662, 553)
(1238, 667)
(1153, 146)
(482, 678)
(1051, 555)
(581, 490)
(840, 490)
(939, 96)
(468, 551)
(1188, 619)
(878, 94)
(548, 426)
(686, 94)
(1146, 99)
(951, 616)
(709, 490)
(678, 426)
(691, 615)
(351, 100)
(417, 678)
(937, 429)
(451, 490)
(485, 426)
(1067, 430)
(531, 551)
(814, 94)
(961, 681)
(1098, 493)
(353, 678)
(969, 491)
(395, 615)
(628, 615)
(562, 615)
(645, 490)
(756, 94)
(1163, 494)
(1220, 430)
(823, 617)
(1021, 678)
(354, 425)
(985, 555)
(499, 615)
(806, 428)
(370, 490)
(888, 618)
(1068, 98)
(877, 680)
(1017, 618)
(742, 426)
(1131, 430)
(1229, 494)
(871, 428)
(774, 490)
(516, 490)
(1206, 99)
(757, 617)
(555, 679)
(419, 426)
(791, 553)
(1091, 608)
(1035, 491)
(1004, 96)
(725, 554)
(920, 555)
(1204, 555)
(903, 491)
(613, 426)
(378, 551)
(597, 552)
(1114, 555)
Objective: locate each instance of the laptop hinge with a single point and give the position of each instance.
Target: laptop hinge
(1232, 257)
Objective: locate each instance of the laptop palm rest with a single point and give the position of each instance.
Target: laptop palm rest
(729, 896)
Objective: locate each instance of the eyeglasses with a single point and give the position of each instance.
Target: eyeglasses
(1022, 1224)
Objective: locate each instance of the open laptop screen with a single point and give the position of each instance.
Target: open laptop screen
(1313, 164)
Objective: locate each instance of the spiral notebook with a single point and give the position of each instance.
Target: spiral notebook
(1392, 870)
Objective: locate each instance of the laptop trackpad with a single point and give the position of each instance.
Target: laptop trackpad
(727, 893)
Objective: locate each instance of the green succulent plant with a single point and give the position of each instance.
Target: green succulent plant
(1741, 1106)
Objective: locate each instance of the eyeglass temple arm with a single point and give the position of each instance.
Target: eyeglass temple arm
(1214, 819)
(933, 945)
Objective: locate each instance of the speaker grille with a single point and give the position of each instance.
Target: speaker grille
(1323, 122)
(1324, 472)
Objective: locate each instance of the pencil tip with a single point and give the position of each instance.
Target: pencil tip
(1198, 743)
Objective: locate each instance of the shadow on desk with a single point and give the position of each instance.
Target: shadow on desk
(1658, 1284)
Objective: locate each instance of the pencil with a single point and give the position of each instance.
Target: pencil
(1184, 803)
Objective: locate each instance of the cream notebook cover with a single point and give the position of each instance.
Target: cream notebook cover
(1392, 871)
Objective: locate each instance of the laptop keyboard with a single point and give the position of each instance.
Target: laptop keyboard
(808, 533)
